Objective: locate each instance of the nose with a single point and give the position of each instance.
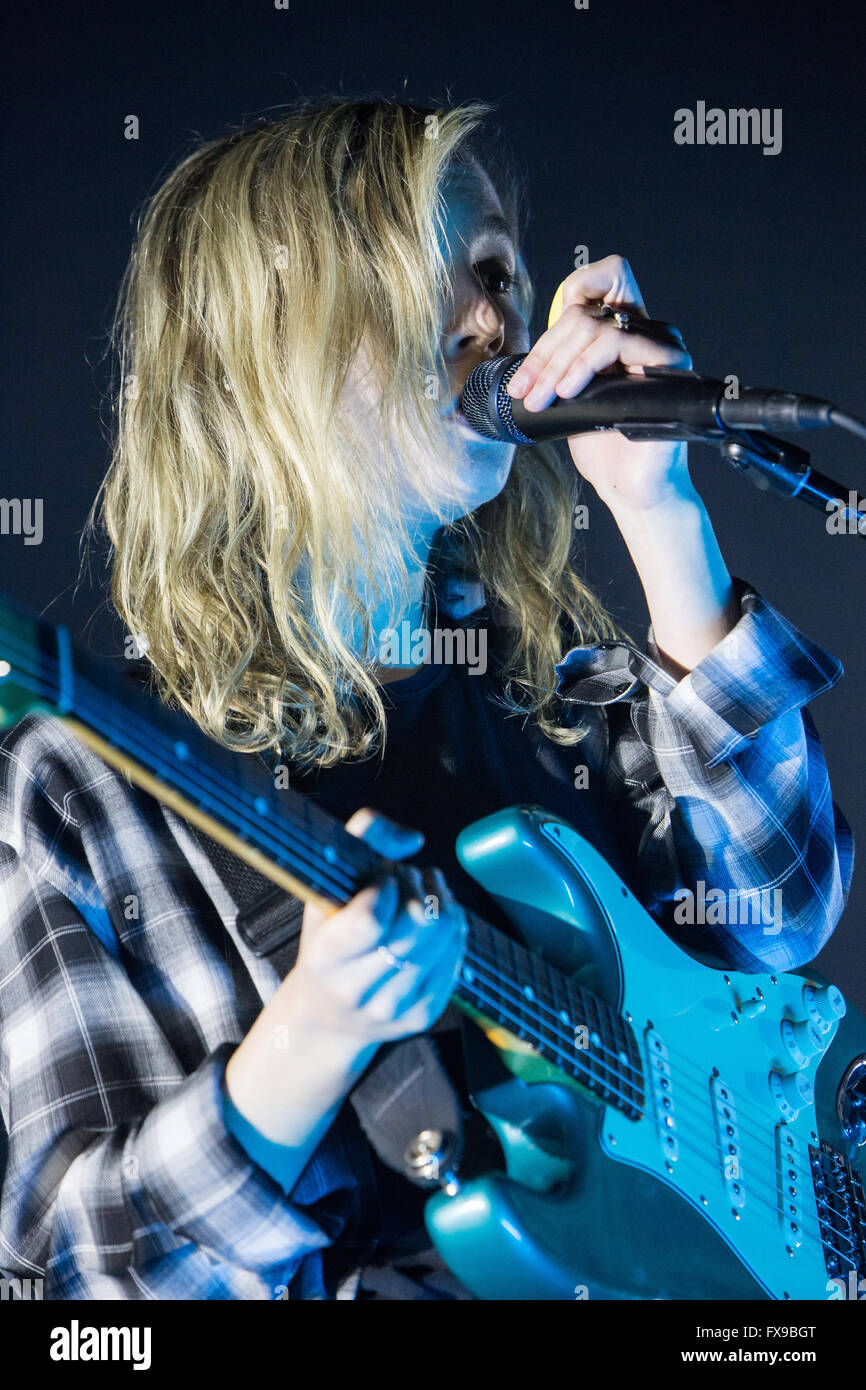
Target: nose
(478, 336)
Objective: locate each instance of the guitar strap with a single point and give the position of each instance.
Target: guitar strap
(406, 1089)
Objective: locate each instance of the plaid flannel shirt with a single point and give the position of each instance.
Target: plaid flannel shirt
(124, 985)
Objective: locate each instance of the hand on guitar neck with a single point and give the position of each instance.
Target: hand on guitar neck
(375, 970)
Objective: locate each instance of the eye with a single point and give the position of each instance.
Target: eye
(495, 276)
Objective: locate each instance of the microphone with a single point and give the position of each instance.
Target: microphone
(672, 404)
(664, 403)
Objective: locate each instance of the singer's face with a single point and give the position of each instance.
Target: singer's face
(481, 318)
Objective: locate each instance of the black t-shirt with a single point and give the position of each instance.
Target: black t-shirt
(453, 754)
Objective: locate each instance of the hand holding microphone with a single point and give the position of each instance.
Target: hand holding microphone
(597, 318)
(606, 377)
(595, 322)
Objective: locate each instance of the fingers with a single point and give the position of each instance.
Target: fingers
(411, 998)
(389, 914)
(583, 346)
(383, 947)
(393, 988)
(419, 1011)
(566, 377)
(577, 345)
(364, 922)
(611, 279)
(384, 965)
(386, 836)
(572, 332)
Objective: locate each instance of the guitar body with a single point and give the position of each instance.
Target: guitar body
(709, 1193)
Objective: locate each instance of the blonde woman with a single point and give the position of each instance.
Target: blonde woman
(292, 486)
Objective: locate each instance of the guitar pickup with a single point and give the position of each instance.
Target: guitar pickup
(661, 1094)
(728, 1139)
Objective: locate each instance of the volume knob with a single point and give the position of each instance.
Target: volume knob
(792, 1092)
(825, 1005)
(802, 1041)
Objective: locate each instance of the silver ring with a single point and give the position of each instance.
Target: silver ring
(392, 959)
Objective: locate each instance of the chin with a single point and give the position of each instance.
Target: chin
(488, 467)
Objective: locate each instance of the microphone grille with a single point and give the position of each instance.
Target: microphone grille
(486, 403)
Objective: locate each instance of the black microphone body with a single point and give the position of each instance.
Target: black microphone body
(664, 403)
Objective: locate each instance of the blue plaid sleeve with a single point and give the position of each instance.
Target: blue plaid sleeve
(122, 1179)
(723, 785)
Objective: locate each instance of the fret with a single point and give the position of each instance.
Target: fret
(531, 987)
(478, 940)
(562, 1003)
(553, 1035)
(545, 994)
(498, 1002)
(615, 1078)
(600, 1032)
(481, 941)
(520, 1006)
(500, 970)
(490, 969)
(562, 1016)
(582, 1056)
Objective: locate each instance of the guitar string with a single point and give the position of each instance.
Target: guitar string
(770, 1204)
(790, 1163)
(233, 796)
(619, 1058)
(316, 846)
(346, 886)
(695, 1086)
(700, 1079)
(806, 1225)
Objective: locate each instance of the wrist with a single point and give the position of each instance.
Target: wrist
(681, 505)
(290, 1072)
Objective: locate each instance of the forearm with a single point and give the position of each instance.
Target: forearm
(288, 1079)
(688, 589)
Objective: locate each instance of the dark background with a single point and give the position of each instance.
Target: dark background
(757, 258)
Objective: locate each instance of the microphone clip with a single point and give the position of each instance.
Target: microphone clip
(771, 464)
(777, 466)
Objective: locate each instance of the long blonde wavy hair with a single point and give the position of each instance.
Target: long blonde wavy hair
(243, 502)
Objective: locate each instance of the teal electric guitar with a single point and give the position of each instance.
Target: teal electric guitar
(667, 1130)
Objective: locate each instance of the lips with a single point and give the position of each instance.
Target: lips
(455, 413)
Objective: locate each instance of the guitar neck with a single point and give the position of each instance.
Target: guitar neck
(292, 841)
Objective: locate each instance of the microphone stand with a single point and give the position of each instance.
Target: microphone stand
(775, 465)
(771, 464)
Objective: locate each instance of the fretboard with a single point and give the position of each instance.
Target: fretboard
(572, 1027)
